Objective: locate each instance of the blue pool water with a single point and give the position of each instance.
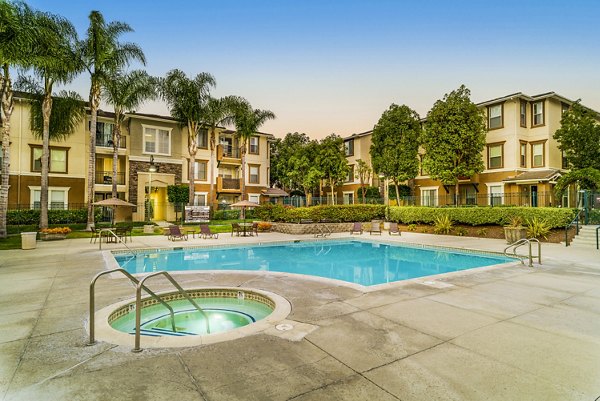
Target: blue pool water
(361, 262)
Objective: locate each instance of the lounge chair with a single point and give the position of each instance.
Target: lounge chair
(206, 233)
(176, 234)
(95, 234)
(356, 229)
(375, 227)
(235, 228)
(255, 229)
(394, 229)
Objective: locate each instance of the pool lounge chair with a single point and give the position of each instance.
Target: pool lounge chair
(206, 233)
(394, 229)
(235, 228)
(375, 227)
(356, 229)
(255, 229)
(176, 234)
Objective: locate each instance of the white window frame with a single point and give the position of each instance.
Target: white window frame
(32, 190)
(250, 167)
(435, 196)
(254, 198)
(250, 145)
(156, 127)
(533, 114)
(348, 193)
(493, 185)
(196, 164)
(205, 194)
(543, 154)
(500, 115)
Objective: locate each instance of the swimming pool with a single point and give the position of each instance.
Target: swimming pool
(356, 261)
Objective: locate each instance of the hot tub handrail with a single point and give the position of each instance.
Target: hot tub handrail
(138, 304)
(134, 280)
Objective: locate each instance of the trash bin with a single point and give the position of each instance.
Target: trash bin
(28, 240)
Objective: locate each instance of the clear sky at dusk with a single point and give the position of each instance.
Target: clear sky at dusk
(334, 66)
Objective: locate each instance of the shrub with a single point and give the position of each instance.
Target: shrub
(460, 231)
(269, 212)
(337, 213)
(55, 216)
(538, 228)
(482, 232)
(264, 226)
(515, 222)
(442, 224)
(56, 230)
(227, 214)
(476, 216)
(411, 227)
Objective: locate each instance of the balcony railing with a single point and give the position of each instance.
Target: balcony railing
(228, 184)
(106, 140)
(227, 151)
(105, 177)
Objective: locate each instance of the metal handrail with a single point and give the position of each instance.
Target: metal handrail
(108, 230)
(575, 221)
(92, 340)
(530, 256)
(138, 305)
(324, 231)
(597, 230)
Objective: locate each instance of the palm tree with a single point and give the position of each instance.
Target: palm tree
(16, 50)
(125, 92)
(57, 62)
(217, 112)
(187, 99)
(104, 55)
(247, 121)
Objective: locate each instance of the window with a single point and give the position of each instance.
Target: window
(564, 108)
(348, 198)
(565, 161)
(495, 120)
(200, 170)
(199, 199)
(537, 112)
(523, 154)
(349, 147)
(523, 113)
(202, 138)
(253, 145)
(157, 141)
(429, 196)
(58, 159)
(496, 194)
(537, 154)
(495, 155)
(104, 134)
(254, 178)
(254, 198)
(58, 197)
(350, 175)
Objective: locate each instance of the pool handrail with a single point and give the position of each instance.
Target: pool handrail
(108, 230)
(138, 304)
(530, 256)
(92, 323)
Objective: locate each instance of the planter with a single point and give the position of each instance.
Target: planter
(52, 236)
(28, 240)
(513, 234)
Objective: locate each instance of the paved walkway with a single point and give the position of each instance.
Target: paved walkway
(499, 334)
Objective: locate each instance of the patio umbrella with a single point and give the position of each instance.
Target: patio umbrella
(114, 203)
(244, 204)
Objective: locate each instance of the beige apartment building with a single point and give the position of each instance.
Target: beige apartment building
(147, 140)
(522, 160)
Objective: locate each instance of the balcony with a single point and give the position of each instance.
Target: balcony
(229, 185)
(228, 154)
(106, 141)
(105, 177)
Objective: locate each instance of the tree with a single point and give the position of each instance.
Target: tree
(302, 171)
(217, 112)
(363, 173)
(125, 92)
(454, 139)
(395, 144)
(286, 154)
(17, 49)
(179, 195)
(187, 99)
(579, 137)
(103, 56)
(331, 162)
(247, 122)
(57, 62)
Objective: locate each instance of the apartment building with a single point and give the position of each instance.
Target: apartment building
(152, 155)
(356, 147)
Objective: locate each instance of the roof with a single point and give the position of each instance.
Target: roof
(535, 175)
(358, 135)
(274, 192)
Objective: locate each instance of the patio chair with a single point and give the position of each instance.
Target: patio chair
(235, 228)
(375, 227)
(206, 233)
(176, 234)
(356, 229)
(95, 234)
(254, 229)
(394, 229)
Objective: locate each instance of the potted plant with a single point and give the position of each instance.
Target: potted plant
(50, 234)
(514, 231)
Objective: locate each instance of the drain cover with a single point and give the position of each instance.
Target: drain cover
(284, 327)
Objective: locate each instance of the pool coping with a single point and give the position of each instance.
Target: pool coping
(104, 331)
(435, 280)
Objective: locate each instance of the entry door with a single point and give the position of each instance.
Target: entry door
(534, 195)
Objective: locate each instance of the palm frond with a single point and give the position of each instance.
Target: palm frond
(68, 111)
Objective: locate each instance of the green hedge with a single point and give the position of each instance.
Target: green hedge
(476, 216)
(32, 216)
(336, 213)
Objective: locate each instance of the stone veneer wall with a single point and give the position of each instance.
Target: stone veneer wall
(135, 167)
(293, 228)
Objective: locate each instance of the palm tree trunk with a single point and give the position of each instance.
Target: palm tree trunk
(211, 195)
(46, 111)
(332, 191)
(116, 143)
(243, 150)
(192, 149)
(397, 192)
(94, 105)
(5, 114)
(456, 193)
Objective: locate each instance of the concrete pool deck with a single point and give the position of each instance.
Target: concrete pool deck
(510, 333)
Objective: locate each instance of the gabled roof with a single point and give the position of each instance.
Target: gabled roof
(535, 175)
(358, 135)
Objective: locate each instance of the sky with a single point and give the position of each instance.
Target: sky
(333, 66)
